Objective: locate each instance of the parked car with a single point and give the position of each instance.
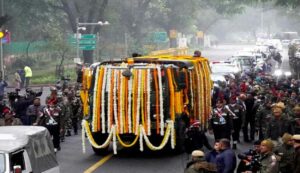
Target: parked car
(26, 149)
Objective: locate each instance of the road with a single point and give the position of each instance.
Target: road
(73, 160)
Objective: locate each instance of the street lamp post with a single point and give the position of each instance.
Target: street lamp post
(80, 26)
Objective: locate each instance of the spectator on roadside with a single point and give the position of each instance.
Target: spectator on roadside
(18, 80)
(226, 160)
(22, 76)
(198, 164)
(9, 119)
(3, 85)
(28, 75)
(35, 110)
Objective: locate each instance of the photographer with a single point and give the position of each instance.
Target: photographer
(20, 103)
(250, 159)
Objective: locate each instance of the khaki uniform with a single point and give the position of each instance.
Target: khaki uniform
(285, 156)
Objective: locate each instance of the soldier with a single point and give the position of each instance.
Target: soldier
(52, 120)
(285, 154)
(278, 125)
(220, 121)
(63, 103)
(236, 112)
(9, 119)
(296, 119)
(269, 163)
(198, 164)
(262, 118)
(75, 112)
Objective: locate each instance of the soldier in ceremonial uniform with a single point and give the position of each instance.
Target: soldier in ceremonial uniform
(236, 112)
(220, 122)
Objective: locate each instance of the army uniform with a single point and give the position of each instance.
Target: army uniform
(75, 113)
(236, 113)
(277, 127)
(52, 120)
(221, 123)
(285, 156)
(269, 163)
(262, 118)
(65, 115)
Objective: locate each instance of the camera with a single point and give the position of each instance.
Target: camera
(250, 164)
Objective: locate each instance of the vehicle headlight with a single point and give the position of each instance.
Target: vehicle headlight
(288, 73)
(278, 73)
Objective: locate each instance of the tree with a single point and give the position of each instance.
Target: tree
(85, 11)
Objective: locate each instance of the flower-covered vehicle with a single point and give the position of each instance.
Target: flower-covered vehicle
(145, 101)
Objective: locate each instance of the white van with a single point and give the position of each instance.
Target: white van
(26, 149)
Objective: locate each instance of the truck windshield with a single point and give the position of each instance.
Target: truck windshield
(2, 163)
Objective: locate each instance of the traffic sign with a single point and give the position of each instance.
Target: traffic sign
(87, 47)
(159, 37)
(85, 36)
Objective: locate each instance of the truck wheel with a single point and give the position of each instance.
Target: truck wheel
(180, 136)
(100, 138)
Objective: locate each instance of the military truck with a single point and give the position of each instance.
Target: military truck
(145, 101)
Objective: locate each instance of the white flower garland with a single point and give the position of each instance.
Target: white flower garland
(168, 134)
(103, 100)
(115, 98)
(121, 88)
(148, 101)
(161, 111)
(108, 87)
(191, 89)
(83, 138)
(139, 76)
(141, 138)
(114, 140)
(172, 134)
(199, 92)
(129, 105)
(91, 139)
(94, 122)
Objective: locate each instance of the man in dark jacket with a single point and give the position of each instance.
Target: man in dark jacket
(199, 165)
(285, 154)
(278, 125)
(226, 160)
(296, 162)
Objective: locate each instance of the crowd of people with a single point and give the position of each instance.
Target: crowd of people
(60, 114)
(265, 108)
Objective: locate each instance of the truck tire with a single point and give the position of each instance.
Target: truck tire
(100, 138)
